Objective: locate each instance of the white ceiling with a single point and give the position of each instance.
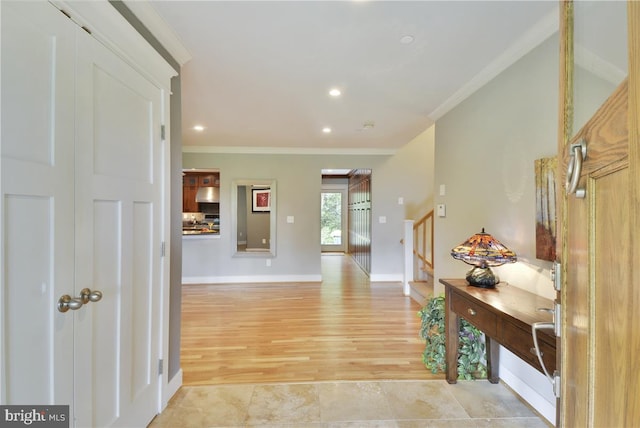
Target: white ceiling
(257, 74)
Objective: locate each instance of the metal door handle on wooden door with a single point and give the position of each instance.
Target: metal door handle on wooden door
(534, 332)
(555, 312)
(67, 302)
(555, 378)
(578, 153)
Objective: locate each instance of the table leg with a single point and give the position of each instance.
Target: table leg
(493, 359)
(452, 329)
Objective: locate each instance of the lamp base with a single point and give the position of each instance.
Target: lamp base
(482, 277)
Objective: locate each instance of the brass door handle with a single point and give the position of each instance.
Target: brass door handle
(471, 312)
(67, 302)
(90, 296)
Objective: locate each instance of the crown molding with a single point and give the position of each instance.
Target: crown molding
(547, 26)
(110, 28)
(598, 66)
(287, 150)
(143, 10)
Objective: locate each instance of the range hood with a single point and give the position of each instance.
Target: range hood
(208, 194)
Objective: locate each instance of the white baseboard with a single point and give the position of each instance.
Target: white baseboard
(386, 277)
(238, 279)
(249, 279)
(528, 383)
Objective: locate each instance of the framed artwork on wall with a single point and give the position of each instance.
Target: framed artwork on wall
(546, 208)
(261, 200)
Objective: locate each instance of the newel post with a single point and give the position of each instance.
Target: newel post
(408, 257)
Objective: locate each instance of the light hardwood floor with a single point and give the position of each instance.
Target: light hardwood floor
(341, 353)
(344, 328)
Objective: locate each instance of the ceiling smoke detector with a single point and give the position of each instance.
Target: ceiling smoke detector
(406, 40)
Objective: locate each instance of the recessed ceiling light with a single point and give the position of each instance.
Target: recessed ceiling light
(198, 128)
(326, 130)
(335, 92)
(406, 40)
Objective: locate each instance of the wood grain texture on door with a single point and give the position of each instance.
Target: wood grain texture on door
(600, 339)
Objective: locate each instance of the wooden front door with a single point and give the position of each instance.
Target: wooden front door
(600, 340)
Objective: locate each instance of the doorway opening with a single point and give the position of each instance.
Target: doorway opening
(346, 195)
(333, 203)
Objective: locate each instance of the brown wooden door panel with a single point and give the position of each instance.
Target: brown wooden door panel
(598, 251)
(600, 339)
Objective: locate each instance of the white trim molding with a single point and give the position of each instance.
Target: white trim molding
(144, 11)
(112, 30)
(546, 27)
(286, 150)
(387, 277)
(243, 279)
(531, 385)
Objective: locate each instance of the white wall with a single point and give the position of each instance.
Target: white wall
(484, 155)
(299, 181)
(412, 167)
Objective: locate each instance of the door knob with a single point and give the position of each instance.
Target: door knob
(67, 302)
(90, 296)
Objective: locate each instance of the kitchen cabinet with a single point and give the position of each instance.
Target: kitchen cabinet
(201, 179)
(207, 181)
(191, 182)
(189, 204)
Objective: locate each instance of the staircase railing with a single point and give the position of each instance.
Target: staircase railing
(418, 250)
(423, 243)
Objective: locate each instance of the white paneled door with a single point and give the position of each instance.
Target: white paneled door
(81, 207)
(37, 147)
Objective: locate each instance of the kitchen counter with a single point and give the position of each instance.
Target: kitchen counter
(200, 224)
(198, 236)
(199, 230)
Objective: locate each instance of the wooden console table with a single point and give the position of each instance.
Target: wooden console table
(504, 314)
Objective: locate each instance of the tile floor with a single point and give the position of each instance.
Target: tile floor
(402, 404)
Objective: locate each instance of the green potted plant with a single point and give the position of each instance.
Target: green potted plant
(472, 356)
